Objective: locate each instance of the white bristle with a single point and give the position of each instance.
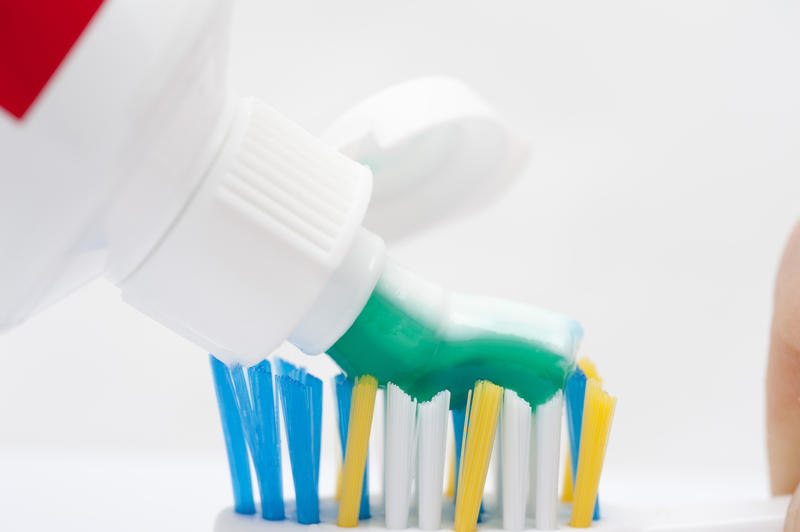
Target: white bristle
(495, 497)
(532, 477)
(516, 444)
(433, 416)
(398, 456)
(548, 450)
(379, 432)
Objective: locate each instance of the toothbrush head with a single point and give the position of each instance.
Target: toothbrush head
(415, 434)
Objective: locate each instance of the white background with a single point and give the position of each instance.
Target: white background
(663, 183)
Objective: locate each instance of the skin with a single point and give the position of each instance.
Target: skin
(783, 382)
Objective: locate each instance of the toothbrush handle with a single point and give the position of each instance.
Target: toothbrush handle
(749, 516)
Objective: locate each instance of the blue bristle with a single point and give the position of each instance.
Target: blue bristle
(245, 407)
(296, 404)
(316, 414)
(235, 444)
(268, 463)
(575, 392)
(282, 367)
(459, 416)
(344, 394)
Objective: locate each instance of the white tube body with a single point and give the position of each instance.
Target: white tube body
(102, 163)
(216, 215)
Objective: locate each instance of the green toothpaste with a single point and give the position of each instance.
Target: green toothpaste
(425, 339)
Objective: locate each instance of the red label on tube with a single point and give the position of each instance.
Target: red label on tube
(35, 37)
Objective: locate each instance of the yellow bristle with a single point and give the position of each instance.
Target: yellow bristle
(479, 430)
(338, 491)
(566, 488)
(338, 482)
(589, 368)
(361, 408)
(598, 411)
(450, 490)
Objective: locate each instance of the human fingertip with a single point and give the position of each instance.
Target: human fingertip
(792, 522)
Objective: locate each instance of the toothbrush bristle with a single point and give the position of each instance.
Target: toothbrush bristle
(548, 449)
(589, 369)
(432, 420)
(532, 476)
(233, 432)
(566, 487)
(459, 417)
(575, 391)
(450, 490)
(483, 410)
(315, 386)
(361, 410)
(515, 440)
(284, 367)
(267, 459)
(297, 403)
(344, 394)
(401, 411)
(597, 416)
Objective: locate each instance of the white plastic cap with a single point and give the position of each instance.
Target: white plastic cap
(436, 150)
(273, 230)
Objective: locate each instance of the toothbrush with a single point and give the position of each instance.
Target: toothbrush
(756, 516)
